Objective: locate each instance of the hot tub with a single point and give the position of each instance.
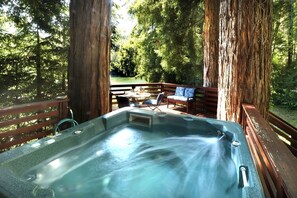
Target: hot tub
(134, 153)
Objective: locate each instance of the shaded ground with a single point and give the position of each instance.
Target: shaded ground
(163, 108)
(171, 109)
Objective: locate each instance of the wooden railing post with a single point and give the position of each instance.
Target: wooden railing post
(286, 131)
(39, 121)
(62, 107)
(276, 164)
(110, 101)
(162, 87)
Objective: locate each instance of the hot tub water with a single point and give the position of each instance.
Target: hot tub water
(126, 164)
(134, 153)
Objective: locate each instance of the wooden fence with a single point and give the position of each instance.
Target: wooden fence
(152, 88)
(22, 123)
(286, 132)
(205, 103)
(275, 162)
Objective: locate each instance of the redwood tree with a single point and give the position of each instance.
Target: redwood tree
(211, 43)
(244, 56)
(89, 58)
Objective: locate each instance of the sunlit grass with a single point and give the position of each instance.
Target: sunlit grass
(287, 114)
(125, 80)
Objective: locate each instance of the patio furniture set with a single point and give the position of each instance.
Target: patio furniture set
(182, 95)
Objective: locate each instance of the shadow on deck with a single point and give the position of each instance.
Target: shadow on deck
(181, 110)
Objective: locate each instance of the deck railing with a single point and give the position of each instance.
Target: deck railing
(205, 103)
(275, 163)
(152, 88)
(29, 118)
(22, 123)
(275, 160)
(286, 132)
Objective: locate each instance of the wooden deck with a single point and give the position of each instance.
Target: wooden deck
(180, 110)
(273, 156)
(205, 103)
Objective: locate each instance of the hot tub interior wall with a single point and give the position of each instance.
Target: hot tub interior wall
(185, 125)
(21, 159)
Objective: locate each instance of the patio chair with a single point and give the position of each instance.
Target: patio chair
(125, 102)
(154, 103)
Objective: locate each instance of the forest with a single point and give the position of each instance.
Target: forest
(166, 45)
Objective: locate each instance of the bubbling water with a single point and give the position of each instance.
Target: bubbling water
(189, 166)
(173, 167)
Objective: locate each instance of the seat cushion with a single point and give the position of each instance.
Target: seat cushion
(179, 91)
(150, 102)
(181, 98)
(189, 92)
(134, 104)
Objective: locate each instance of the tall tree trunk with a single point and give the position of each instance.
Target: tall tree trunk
(38, 67)
(89, 58)
(290, 32)
(244, 56)
(63, 82)
(211, 43)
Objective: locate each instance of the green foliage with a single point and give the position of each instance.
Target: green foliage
(284, 83)
(284, 62)
(168, 40)
(33, 54)
(42, 14)
(125, 64)
(166, 45)
(122, 53)
(115, 36)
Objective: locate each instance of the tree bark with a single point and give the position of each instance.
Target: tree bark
(290, 33)
(89, 58)
(244, 56)
(38, 67)
(211, 43)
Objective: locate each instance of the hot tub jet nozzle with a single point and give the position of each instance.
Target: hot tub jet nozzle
(221, 135)
(244, 176)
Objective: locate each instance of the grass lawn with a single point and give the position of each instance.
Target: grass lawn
(125, 80)
(289, 115)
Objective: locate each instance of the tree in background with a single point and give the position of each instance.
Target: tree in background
(284, 53)
(34, 53)
(122, 51)
(33, 57)
(147, 60)
(168, 40)
(125, 60)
